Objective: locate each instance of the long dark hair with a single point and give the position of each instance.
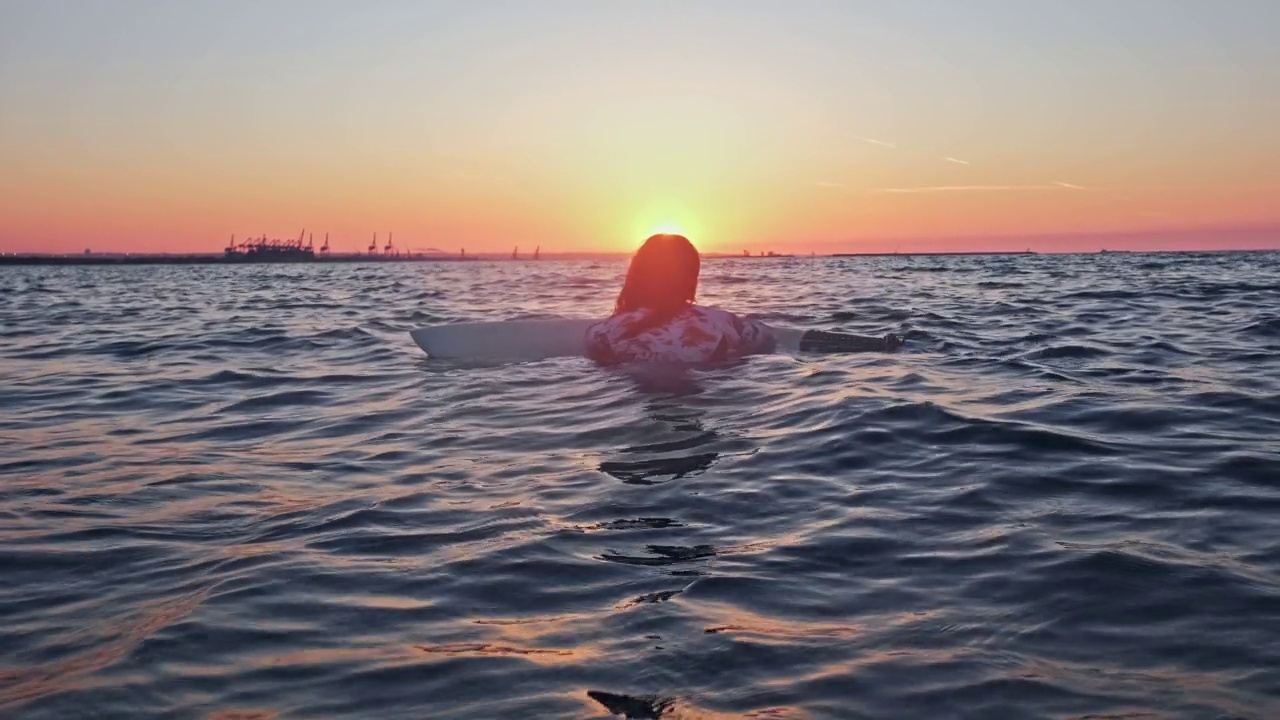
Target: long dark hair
(662, 278)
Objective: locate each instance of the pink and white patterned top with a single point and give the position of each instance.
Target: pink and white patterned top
(695, 335)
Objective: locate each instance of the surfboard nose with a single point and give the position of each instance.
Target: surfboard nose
(504, 340)
(419, 336)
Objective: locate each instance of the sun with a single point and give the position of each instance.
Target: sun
(669, 218)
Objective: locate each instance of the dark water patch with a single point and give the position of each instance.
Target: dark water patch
(236, 377)
(1068, 351)
(1267, 327)
(641, 708)
(634, 524)
(1250, 467)
(662, 555)
(652, 598)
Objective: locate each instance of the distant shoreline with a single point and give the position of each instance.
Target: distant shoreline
(220, 259)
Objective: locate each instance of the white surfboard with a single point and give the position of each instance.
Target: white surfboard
(529, 340)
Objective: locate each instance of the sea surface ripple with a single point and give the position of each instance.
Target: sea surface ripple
(242, 492)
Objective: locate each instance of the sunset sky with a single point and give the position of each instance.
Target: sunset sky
(168, 125)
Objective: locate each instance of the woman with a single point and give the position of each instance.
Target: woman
(656, 320)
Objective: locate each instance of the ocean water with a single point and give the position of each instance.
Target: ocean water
(242, 492)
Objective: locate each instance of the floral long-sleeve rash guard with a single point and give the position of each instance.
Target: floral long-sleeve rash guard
(694, 335)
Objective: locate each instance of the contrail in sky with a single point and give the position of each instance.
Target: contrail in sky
(894, 146)
(967, 188)
(881, 143)
(1057, 184)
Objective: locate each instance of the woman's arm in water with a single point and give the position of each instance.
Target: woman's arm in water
(793, 340)
(830, 342)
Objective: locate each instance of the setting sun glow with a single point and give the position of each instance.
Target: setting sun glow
(666, 219)
(668, 228)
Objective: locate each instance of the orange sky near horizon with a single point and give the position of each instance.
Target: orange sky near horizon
(577, 126)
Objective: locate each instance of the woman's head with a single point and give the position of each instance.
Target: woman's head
(663, 276)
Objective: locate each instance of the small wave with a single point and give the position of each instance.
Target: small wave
(284, 398)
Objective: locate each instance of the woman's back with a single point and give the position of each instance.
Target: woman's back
(655, 318)
(695, 334)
